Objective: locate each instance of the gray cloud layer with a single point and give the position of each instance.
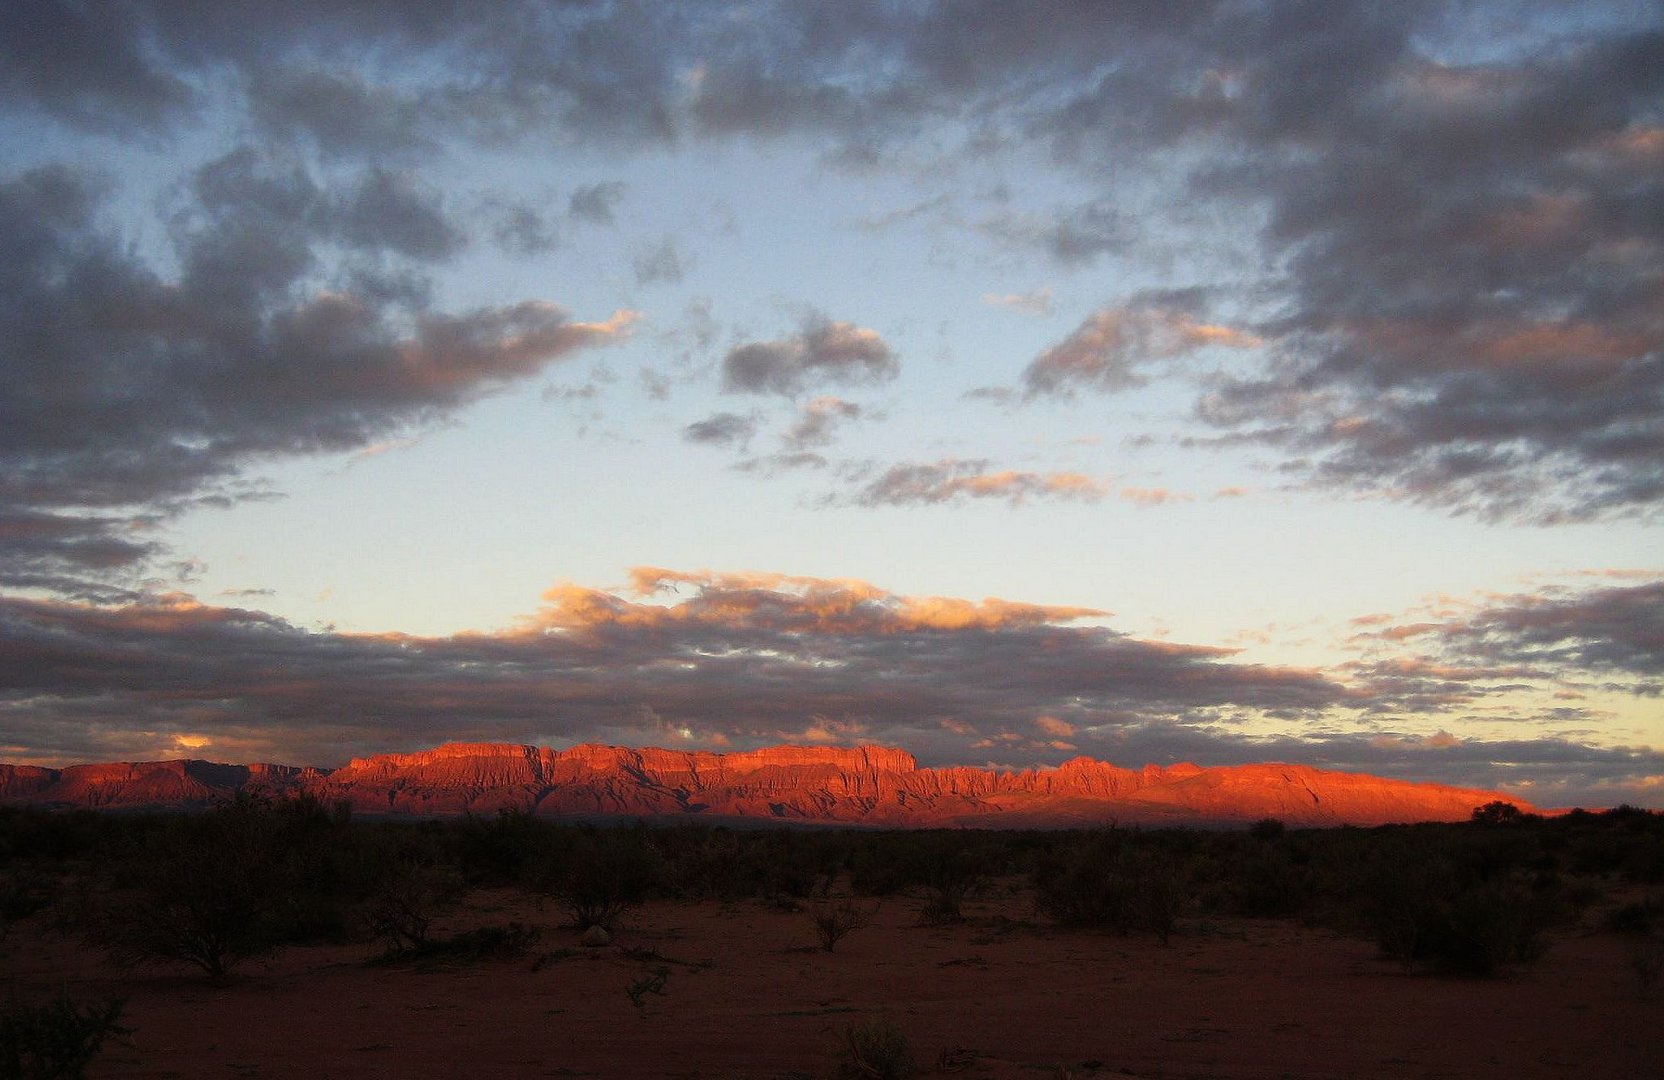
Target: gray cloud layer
(127, 388)
(736, 658)
(1465, 205)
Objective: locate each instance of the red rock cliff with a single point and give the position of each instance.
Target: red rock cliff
(860, 784)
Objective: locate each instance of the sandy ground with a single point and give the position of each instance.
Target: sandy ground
(749, 994)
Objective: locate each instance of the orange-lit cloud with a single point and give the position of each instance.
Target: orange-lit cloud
(1051, 725)
(782, 601)
(1109, 349)
(954, 479)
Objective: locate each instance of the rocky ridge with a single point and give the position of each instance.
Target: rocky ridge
(860, 785)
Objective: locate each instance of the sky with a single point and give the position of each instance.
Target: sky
(1207, 381)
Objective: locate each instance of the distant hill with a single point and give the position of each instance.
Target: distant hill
(861, 785)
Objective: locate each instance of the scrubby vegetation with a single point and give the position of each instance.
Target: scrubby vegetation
(56, 1039)
(218, 889)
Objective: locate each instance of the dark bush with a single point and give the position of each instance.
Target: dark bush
(54, 1041)
(501, 850)
(1429, 905)
(411, 890)
(875, 1050)
(609, 872)
(234, 883)
(1108, 880)
(1266, 883)
(835, 920)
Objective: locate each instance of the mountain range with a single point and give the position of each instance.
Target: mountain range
(861, 785)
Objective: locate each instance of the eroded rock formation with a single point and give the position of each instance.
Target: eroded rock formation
(867, 785)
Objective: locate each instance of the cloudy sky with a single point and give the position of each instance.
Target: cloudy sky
(1210, 381)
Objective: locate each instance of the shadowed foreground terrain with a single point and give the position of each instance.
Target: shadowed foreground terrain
(1506, 947)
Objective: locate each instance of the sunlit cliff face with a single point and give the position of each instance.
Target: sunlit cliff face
(803, 784)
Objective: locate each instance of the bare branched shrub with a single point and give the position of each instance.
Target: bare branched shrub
(836, 919)
(207, 890)
(400, 909)
(610, 871)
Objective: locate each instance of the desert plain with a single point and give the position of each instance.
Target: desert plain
(743, 988)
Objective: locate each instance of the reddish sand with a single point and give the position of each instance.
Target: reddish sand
(750, 994)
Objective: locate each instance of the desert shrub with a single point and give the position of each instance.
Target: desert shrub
(400, 909)
(875, 1050)
(56, 1040)
(24, 890)
(502, 850)
(1266, 829)
(1265, 882)
(28, 832)
(879, 867)
(1488, 926)
(724, 864)
(1161, 894)
(836, 919)
(952, 870)
(1426, 903)
(502, 941)
(1106, 881)
(1080, 884)
(206, 890)
(234, 883)
(1637, 918)
(650, 981)
(610, 871)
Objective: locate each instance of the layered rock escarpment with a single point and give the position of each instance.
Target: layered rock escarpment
(861, 785)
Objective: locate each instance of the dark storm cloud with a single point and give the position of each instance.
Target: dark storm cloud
(80, 555)
(822, 351)
(393, 210)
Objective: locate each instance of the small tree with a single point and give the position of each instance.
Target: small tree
(1497, 812)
